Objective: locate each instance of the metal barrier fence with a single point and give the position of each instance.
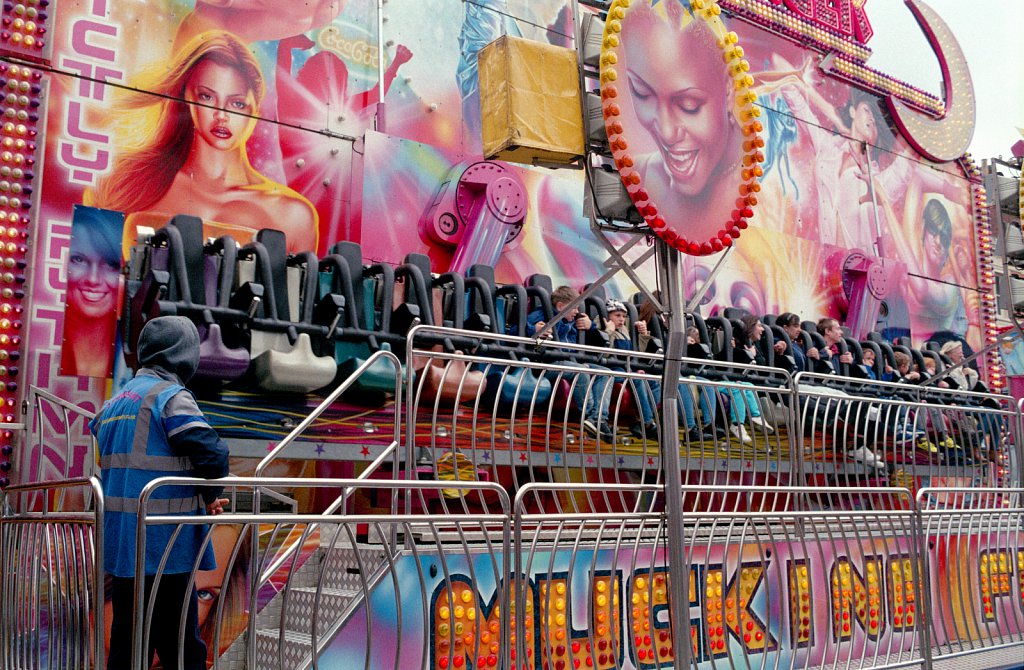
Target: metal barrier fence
(51, 576)
(774, 576)
(826, 523)
(920, 435)
(766, 588)
(519, 411)
(52, 419)
(347, 569)
(976, 550)
(610, 565)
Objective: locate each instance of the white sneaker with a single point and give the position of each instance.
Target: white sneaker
(740, 433)
(867, 457)
(759, 422)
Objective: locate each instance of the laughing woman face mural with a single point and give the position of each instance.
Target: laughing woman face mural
(682, 99)
(192, 156)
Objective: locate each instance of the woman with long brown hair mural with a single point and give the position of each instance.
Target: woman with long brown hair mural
(198, 114)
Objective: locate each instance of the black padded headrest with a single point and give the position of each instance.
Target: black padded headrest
(277, 255)
(191, 229)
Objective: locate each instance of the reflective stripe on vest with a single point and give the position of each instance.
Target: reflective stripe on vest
(143, 462)
(155, 506)
(139, 459)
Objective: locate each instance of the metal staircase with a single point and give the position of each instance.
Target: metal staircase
(314, 603)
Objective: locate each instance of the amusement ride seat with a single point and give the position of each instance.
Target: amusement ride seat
(182, 276)
(282, 352)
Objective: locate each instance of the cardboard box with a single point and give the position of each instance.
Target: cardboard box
(530, 102)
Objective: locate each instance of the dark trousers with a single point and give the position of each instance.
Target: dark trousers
(163, 632)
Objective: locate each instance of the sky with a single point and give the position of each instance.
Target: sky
(991, 34)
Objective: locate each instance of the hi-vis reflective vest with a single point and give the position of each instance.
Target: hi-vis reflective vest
(133, 451)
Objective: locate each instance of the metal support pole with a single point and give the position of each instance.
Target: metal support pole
(379, 123)
(874, 200)
(698, 295)
(671, 281)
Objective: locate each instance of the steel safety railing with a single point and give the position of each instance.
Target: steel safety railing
(772, 581)
(786, 587)
(51, 577)
(975, 541)
(598, 582)
(52, 421)
(390, 451)
(792, 513)
(376, 358)
(490, 407)
(359, 569)
(903, 435)
(517, 410)
(767, 587)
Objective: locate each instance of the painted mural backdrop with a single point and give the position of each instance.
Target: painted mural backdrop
(298, 117)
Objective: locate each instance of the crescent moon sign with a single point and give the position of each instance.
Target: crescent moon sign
(945, 138)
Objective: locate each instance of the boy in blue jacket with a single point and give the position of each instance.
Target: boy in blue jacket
(589, 395)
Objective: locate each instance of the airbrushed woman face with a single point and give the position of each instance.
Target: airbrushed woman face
(678, 85)
(223, 117)
(93, 280)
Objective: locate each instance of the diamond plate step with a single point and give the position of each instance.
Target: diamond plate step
(303, 602)
(343, 584)
(297, 649)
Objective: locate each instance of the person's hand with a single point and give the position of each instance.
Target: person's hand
(539, 327)
(216, 507)
(690, 341)
(888, 369)
(609, 326)
(846, 357)
(813, 353)
(779, 346)
(583, 321)
(402, 54)
(942, 385)
(809, 72)
(641, 327)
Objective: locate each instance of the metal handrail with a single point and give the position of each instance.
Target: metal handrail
(817, 379)
(990, 528)
(39, 395)
(330, 400)
(305, 423)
